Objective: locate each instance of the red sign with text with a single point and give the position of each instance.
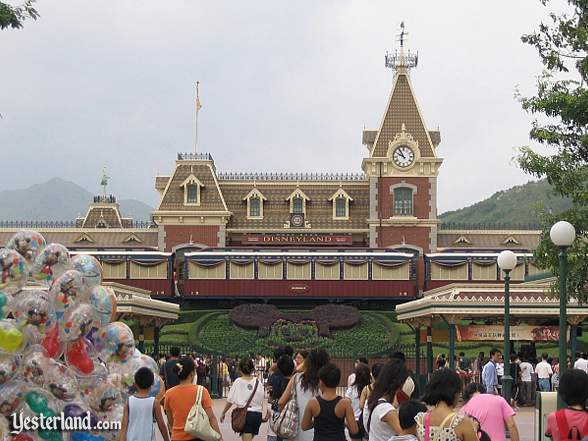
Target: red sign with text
(296, 239)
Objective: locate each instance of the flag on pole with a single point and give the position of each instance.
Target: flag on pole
(198, 103)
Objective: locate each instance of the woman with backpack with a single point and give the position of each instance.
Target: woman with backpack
(443, 422)
(362, 379)
(247, 395)
(303, 387)
(570, 423)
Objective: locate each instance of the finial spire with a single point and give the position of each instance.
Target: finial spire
(401, 61)
(198, 107)
(104, 181)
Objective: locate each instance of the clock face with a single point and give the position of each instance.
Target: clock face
(297, 220)
(403, 156)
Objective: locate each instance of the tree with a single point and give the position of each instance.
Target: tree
(14, 16)
(560, 107)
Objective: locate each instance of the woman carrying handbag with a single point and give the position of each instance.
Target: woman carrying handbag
(247, 395)
(189, 406)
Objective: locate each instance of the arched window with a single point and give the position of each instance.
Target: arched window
(402, 201)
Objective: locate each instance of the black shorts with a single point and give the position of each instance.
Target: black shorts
(252, 423)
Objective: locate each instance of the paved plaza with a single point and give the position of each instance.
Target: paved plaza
(525, 422)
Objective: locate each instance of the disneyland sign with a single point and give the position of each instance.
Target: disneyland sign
(296, 239)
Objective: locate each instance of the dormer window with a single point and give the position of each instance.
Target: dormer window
(191, 194)
(340, 204)
(255, 200)
(192, 190)
(297, 202)
(297, 205)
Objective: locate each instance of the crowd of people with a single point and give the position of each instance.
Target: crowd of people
(299, 394)
(529, 374)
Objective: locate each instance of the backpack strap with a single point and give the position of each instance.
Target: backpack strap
(252, 393)
(371, 413)
(427, 436)
(447, 418)
(562, 424)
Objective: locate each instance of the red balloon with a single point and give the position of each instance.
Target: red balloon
(77, 356)
(51, 342)
(22, 437)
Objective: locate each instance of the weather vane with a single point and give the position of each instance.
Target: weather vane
(104, 181)
(401, 61)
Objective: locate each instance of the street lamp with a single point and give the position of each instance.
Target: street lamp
(507, 261)
(562, 235)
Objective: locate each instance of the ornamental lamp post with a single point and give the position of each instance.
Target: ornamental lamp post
(562, 235)
(507, 261)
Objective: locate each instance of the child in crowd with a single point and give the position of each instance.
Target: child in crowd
(406, 413)
(137, 422)
(328, 412)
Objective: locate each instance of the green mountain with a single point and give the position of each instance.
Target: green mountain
(59, 200)
(516, 206)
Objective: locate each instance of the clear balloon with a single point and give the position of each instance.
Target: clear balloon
(61, 381)
(11, 338)
(78, 322)
(143, 360)
(103, 300)
(115, 342)
(8, 367)
(13, 271)
(34, 365)
(27, 243)
(5, 304)
(53, 343)
(104, 396)
(79, 355)
(90, 268)
(34, 308)
(53, 261)
(11, 396)
(67, 291)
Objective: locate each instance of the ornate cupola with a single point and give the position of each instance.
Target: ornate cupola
(104, 211)
(402, 164)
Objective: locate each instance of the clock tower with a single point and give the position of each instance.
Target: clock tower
(402, 166)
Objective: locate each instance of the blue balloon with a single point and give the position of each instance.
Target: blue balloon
(85, 436)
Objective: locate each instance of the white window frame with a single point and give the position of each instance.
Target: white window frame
(255, 193)
(341, 194)
(298, 193)
(192, 180)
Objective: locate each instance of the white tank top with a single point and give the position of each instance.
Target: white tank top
(140, 426)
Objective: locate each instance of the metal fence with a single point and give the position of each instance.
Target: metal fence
(217, 372)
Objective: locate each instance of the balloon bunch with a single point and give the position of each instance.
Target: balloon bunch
(60, 351)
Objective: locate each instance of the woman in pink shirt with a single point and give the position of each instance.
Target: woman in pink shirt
(492, 411)
(573, 390)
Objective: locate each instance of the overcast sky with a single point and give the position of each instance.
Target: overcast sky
(286, 86)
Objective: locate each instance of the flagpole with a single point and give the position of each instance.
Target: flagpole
(196, 119)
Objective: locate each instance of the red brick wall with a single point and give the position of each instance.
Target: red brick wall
(418, 236)
(179, 234)
(421, 203)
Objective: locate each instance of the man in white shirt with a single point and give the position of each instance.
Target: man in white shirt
(526, 383)
(544, 373)
(582, 362)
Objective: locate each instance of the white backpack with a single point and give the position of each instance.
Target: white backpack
(197, 423)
